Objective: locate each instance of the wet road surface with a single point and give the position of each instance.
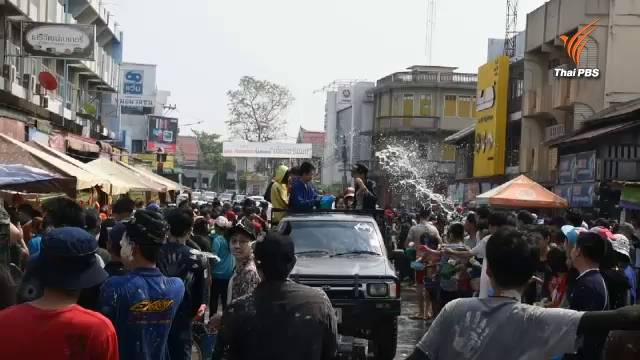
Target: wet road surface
(409, 331)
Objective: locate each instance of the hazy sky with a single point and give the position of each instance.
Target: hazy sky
(203, 47)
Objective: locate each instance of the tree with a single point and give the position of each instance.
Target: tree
(211, 154)
(257, 108)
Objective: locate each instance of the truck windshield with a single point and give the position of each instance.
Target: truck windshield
(330, 238)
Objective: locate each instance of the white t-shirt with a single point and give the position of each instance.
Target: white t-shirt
(500, 328)
(480, 252)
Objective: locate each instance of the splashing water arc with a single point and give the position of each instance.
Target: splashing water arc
(411, 171)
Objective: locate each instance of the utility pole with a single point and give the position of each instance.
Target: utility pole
(431, 21)
(344, 161)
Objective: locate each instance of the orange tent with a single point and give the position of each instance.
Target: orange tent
(521, 192)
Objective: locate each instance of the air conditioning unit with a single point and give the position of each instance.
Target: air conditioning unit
(44, 102)
(29, 84)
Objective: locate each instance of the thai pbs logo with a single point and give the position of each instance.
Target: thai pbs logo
(575, 46)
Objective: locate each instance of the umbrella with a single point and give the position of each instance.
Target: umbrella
(521, 192)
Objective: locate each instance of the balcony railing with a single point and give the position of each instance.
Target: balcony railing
(409, 123)
(429, 76)
(553, 132)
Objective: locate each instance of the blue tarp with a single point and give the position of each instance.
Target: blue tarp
(13, 174)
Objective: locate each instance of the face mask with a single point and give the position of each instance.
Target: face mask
(126, 250)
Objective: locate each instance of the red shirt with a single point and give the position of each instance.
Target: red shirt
(28, 332)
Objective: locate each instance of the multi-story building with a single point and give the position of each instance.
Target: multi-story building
(68, 114)
(555, 107)
(348, 127)
(423, 105)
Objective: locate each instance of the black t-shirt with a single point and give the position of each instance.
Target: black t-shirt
(535, 291)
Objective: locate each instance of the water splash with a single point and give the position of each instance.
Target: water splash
(409, 169)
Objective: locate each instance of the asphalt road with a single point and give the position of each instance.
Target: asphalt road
(409, 331)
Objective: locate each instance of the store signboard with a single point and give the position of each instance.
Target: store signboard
(163, 133)
(266, 150)
(61, 41)
(137, 87)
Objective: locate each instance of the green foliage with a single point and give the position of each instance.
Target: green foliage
(211, 152)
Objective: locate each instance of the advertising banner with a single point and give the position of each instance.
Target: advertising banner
(491, 118)
(582, 195)
(585, 166)
(163, 133)
(62, 41)
(630, 198)
(344, 98)
(137, 87)
(266, 150)
(564, 191)
(566, 166)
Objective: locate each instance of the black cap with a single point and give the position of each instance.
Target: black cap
(360, 169)
(147, 228)
(245, 225)
(68, 260)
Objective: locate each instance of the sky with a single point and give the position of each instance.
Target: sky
(203, 47)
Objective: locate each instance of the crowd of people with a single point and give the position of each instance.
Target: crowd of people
(130, 282)
(496, 276)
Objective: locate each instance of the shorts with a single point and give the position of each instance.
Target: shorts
(420, 277)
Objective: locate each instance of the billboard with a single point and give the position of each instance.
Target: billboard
(163, 133)
(63, 41)
(344, 98)
(266, 150)
(137, 87)
(491, 118)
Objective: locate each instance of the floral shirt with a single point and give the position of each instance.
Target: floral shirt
(244, 280)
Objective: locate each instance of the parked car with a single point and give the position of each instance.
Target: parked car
(209, 196)
(344, 255)
(257, 199)
(226, 198)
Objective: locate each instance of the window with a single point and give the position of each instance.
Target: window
(137, 146)
(465, 104)
(517, 88)
(407, 105)
(450, 105)
(448, 152)
(425, 105)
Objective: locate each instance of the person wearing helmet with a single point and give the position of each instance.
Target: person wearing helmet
(142, 303)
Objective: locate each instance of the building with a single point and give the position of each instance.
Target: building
(468, 184)
(348, 127)
(555, 107)
(56, 97)
(423, 106)
(599, 160)
(317, 140)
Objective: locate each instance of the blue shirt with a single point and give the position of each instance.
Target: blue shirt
(141, 305)
(223, 270)
(630, 273)
(34, 245)
(303, 195)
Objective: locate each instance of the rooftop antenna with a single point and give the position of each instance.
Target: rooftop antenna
(511, 28)
(431, 21)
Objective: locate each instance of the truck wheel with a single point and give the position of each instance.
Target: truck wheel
(385, 339)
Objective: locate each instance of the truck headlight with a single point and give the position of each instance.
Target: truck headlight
(378, 290)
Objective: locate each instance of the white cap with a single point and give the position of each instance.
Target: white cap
(222, 222)
(621, 244)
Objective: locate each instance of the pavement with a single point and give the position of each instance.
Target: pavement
(409, 331)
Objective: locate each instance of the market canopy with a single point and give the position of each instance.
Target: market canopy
(15, 152)
(521, 192)
(171, 185)
(103, 183)
(122, 178)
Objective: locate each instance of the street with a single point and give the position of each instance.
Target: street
(409, 331)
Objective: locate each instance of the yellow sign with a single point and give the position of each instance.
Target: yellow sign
(491, 118)
(150, 159)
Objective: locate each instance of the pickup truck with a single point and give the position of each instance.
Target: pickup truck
(344, 255)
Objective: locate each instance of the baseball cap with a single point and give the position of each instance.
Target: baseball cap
(153, 207)
(571, 233)
(246, 226)
(115, 235)
(147, 228)
(68, 260)
(351, 192)
(603, 232)
(621, 245)
(222, 222)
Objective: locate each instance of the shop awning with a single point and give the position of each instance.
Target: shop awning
(521, 192)
(19, 174)
(171, 185)
(452, 139)
(122, 178)
(16, 152)
(602, 131)
(104, 183)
